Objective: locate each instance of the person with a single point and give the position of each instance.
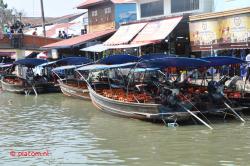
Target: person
(60, 34)
(248, 66)
(226, 35)
(6, 29)
(35, 32)
(20, 30)
(65, 36)
(12, 29)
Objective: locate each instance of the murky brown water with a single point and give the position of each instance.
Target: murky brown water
(76, 133)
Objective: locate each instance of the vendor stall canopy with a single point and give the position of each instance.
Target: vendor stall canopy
(30, 62)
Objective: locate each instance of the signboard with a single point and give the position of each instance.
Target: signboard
(235, 29)
(204, 32)
(220, 33)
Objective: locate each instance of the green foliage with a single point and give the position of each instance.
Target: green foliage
(6, 15)
(3, 5)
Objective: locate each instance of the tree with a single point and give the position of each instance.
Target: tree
(5, 13)
(3, 5)
(8, 16)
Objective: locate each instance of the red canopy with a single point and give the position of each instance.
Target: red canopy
(125, 34)
(157, 30)
(79, 40)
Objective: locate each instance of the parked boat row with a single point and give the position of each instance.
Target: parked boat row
(148, 88)
(25, 81)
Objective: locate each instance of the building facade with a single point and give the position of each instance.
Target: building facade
(223, 5)
(177, 40)
(104, 15)
(156, 8)
(221, 33)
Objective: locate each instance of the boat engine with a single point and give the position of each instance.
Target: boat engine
(169, 96)
(215, 91)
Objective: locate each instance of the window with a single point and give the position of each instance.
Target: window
(152, 9)
(107, 10)
(184, 5)
(94, 13)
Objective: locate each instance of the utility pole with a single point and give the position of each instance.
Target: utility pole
(42, 10)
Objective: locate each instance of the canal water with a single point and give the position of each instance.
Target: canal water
(75, 133)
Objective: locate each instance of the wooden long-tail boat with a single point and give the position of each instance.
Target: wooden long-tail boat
(215, 91)
(14, 84)
(74, 88)
(68, 81)
(4, 70)
(141, 105)
(22, 84)
(77, 88)
(136, 106)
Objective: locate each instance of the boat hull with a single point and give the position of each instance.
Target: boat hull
(141, 111)
(74, 92)
(22, 87)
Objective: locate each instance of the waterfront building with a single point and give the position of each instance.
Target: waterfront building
(156, 16)
(223, 5)
(104, 17)
(15, 46)
(108, 14)
(226, 32)
(72, 46)
(155, 8)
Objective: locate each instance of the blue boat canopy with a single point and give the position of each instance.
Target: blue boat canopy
(48, 64)
(138, 70)
(223, 60)
(3, 65)
(73, 61)
(154, 56)
(30, 62)
(65, 67)
(105, 67)
(181, 62)
(118, 59)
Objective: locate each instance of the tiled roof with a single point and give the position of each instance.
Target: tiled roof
(34, 21)
(80, 39)
(88, 3)
(52, 32)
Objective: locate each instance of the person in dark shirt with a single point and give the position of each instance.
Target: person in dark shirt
(65, 36)
(60, 35)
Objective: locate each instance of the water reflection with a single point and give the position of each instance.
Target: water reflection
(76, 133)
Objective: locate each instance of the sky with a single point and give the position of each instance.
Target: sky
(52, 8)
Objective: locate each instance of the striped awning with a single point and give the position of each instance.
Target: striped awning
(125, 34)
